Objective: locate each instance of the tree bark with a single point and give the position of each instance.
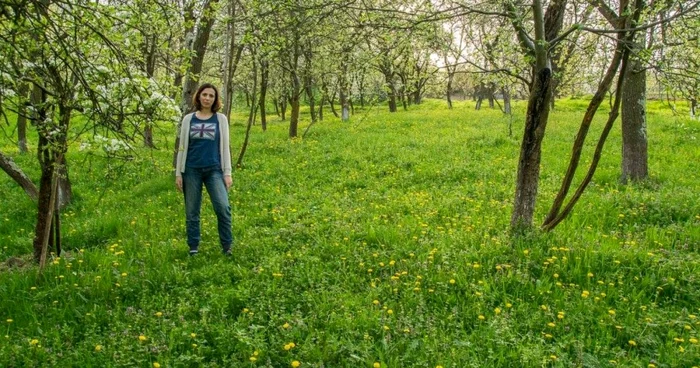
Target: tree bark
(694, 108)
(251, 119)
(294, 118)
(634, 127)
(506, 101)
(264, 72)
(16, 173)
(527, 181)
(448, 92)
(22, 119)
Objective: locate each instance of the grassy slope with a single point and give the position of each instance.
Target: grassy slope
(405, 212)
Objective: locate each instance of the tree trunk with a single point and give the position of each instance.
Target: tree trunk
(312, 100)
(388, 79)
(149, 53)
(634, 127)
(320, 107)
(332, 103)
(16, 173)
(450, 78)
(694, 108)
(345, 106)
(233, 55)
(527, 181)
(506, 101)
(22, 119)
(294, 118)
(251, 118)
(264, 72)
(283, 108)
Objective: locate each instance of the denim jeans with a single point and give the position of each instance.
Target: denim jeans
(213, 179)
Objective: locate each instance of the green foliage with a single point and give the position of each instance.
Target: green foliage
(383, 239)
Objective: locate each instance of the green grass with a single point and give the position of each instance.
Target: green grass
(404, 212)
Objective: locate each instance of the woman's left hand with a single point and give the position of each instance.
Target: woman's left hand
(228, 181)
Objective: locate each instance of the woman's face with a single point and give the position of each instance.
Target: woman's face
(207, 97)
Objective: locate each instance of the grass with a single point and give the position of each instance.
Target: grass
(382, 240)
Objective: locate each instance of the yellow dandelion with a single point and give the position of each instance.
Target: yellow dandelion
(693, 340)
(156, 365)
(98, 348)
(632, 343)
(452, 281)
(253, 359)
(376, 365)
(9, 320)
(286, 325)
(295, 364)
(497, 310)
(481, 317)
(611, 312)
(193, 335)
(142, 338)
(33, 342)
(159, 314)
(508, 305)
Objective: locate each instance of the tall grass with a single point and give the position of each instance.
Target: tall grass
(381, 240)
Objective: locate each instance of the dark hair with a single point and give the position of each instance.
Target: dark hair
(216, 106)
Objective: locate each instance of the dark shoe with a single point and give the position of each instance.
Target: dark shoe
(228, 253)
(193, 252)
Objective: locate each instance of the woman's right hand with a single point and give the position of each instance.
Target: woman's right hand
(178, 183)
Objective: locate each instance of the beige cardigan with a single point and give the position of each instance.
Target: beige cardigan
(224, 144)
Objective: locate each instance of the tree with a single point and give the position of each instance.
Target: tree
(60, 48)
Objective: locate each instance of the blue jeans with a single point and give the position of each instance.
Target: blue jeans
(213, 179)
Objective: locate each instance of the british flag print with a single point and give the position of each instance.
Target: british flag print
(203, 131)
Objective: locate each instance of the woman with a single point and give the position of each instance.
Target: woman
(204, 157)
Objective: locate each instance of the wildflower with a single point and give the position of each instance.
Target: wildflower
(585, 294)
(98, 348)
(193, 335)
(9, 320)
(560, 315)
(390, 311)
(253, 359)
(376, 365)
(590, 274)
(452, 281)
(632, 343)
(553, 357)
(386, 328)
(497, 310)
(286, 325)
(295, 364)
(543, 307)
(551, 324)
(156, 365)
(693, 340)
(142, 338)
(33, 342)
(611, 312)
(508, 305)
(481, 317)
(159, 314)
(548, 336)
